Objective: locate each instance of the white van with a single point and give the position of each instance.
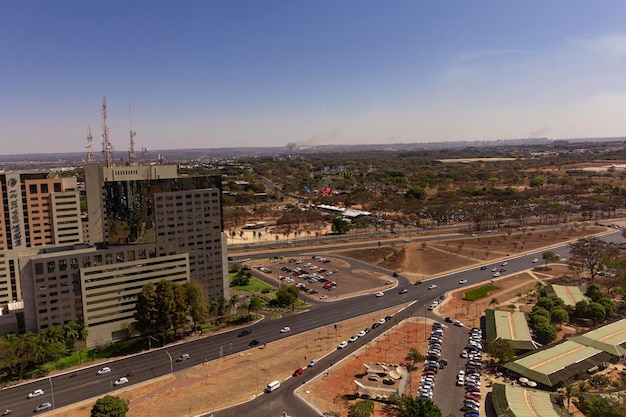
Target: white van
(272, 386)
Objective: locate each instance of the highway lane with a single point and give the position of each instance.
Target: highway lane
(156, 362)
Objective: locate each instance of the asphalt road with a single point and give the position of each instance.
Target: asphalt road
(62, 390)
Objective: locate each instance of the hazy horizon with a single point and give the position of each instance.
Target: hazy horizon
(265, 74)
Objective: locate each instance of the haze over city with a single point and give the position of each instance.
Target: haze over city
(247, 73)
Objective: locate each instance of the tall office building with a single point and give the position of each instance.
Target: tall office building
(144, 224)
(38, 209)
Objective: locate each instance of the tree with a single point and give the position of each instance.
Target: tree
(559, 316)
(581, 309)
(594, 292)
(109, 406)
(543, 330)
(407, 406)
(362, 408)
(592, 253)
(500, 349)
(340, 226)
(197, 305)
(254, 305)
(178, 315)
(412, 357)
(550, 256)
(545, 302)
(286, 295)
(596, 312)
(146, 310)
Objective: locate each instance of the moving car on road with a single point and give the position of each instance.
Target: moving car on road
(123, 380)
(380, 294)
(36, 393)
(41, 407)
(183, 357)
(432, 286)
(104, 370)
(285, 329)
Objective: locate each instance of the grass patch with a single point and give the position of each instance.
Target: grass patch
(479, 292)
(254, 285)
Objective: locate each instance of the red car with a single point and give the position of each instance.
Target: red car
(298, 372)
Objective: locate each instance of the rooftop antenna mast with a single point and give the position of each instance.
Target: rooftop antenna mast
(132, 158)
(107, 148)
(90, 157)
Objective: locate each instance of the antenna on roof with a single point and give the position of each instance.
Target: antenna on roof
(132, 158)
(90, 157)
(107, 148)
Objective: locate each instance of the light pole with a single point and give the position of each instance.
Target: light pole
(150, 339)
(51, 391)
(171, 363)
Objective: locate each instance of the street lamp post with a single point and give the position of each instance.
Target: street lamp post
(171, 363)
(51, 391)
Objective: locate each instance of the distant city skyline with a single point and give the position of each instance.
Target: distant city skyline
(267, 73)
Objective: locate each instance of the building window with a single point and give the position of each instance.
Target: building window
(63, 265)
(57, 187)
(44, 188)
(51, 267)
(33, 188)
(39, 268)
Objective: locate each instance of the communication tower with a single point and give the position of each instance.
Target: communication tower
(90, 157)
(132, 158)
(107, 148)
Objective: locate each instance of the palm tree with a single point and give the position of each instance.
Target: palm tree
(71, 334)
(569, 392)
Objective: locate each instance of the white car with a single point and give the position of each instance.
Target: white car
(504, 263)
(380, 294)
(463, 281)
(285, 329)
(494, 269)
(457, 323)
(432, 287)
(361, 333)
(535, 260)
(36, 393)
(123, 380)
(104, 370)
(496, 274)
(41, 407)
(323, 297)
(342, 345)
(353, 338)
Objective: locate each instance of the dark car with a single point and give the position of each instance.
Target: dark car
(449, 320)
(417, 282)
(395, 275)
(254, 342)
(388, 318)
(244, 332)
(482, 268)
(375, 325)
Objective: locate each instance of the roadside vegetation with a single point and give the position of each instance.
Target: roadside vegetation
(480, 292)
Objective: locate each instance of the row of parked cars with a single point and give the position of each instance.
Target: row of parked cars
(469, 378)
(433, 363)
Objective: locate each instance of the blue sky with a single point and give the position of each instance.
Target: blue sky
(202, 74)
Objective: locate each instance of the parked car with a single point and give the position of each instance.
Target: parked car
(313, 362)
(353, 338)
(298, 372)
(342, 345)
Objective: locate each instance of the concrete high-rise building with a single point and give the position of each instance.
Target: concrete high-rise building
(38, 209)
(144, 224)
